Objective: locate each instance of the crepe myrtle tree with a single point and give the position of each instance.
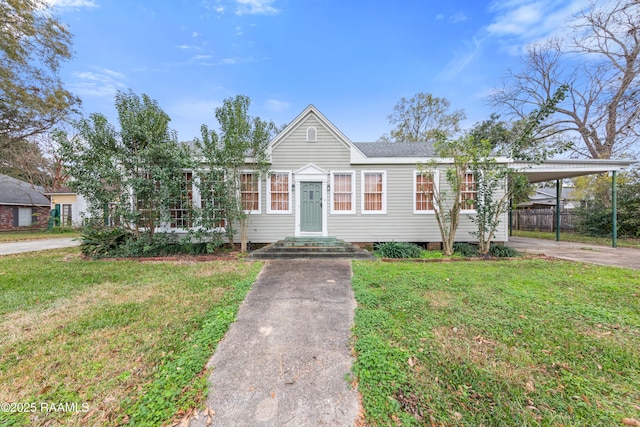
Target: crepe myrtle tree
(475, 153)
(131, 177)
(228, 156)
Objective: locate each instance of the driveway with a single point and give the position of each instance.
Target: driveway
(601, 255)
(37, 245)
(286, 359)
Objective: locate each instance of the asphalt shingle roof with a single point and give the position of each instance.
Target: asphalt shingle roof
(16, 192)
(396, 149)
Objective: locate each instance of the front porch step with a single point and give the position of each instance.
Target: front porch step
(311, 247)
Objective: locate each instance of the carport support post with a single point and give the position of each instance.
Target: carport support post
(614, 211)
(558, 197)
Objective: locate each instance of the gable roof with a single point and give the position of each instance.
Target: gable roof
(311, 109)
(20, 193)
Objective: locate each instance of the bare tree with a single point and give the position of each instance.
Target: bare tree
(599, 61)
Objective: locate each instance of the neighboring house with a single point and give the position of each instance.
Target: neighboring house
(68, 207)
(22, 205)
(545, 198)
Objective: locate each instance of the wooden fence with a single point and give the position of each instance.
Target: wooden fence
(543, 219)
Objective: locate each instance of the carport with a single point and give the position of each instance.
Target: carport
(559, 169)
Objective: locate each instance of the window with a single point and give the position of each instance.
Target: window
(312, 134)
(24, 217)
(424, 185)
(342, 192)
(468, 194)
(211, 186)
(250, 191)
(374, 198)
(180, 208)
(279, 195)
(66, 220)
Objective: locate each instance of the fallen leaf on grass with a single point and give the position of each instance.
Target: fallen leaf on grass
(631, 422)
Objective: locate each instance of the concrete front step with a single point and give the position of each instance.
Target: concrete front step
(310, 247)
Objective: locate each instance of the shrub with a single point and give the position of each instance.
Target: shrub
(118, 242)
(500, 251)
(465, 250)
(398, 250)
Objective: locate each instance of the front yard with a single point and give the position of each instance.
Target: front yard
(530, 342)
(527, 342)
(117, 340)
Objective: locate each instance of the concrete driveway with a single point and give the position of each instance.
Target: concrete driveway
(601, 255)
(286, 359)
(37, 245)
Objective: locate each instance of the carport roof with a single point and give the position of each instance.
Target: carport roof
(555, 169)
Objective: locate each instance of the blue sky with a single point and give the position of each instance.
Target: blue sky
(352, 59)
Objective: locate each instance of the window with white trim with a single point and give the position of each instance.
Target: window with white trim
(312, 134)
(374, 192)
(250, 191)
(211, 186)
(468, 193)
(425, 184)
(343, 195)
(66, 219)
(279, 193)
(180, 208)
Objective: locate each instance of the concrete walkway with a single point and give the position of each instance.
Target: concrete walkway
(285, 360)
(37, 245)
(601, 255)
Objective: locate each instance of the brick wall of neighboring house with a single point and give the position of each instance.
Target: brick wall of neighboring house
(40, 218)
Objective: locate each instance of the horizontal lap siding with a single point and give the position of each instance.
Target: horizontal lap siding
(292, 154)
(399, 223)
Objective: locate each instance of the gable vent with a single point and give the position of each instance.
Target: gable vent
(312, 134)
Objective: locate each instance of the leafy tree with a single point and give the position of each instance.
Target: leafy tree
(599, 61)
(240, 146)
(423, 118)
(594, 213)
(33, 42)
(131, 177)
(476, 153)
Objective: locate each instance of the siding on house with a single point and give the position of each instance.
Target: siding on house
(332, 152)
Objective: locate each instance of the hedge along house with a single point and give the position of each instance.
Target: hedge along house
(322, 184)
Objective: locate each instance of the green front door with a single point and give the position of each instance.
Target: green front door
(311, 207)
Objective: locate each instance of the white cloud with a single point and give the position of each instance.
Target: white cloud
(255, 7)
(457, 17)
(276, 105)
(532, 20)
(201, 57)
(461, 60)
(103, 83)
(184, 47)
(71, 3)
(440, 16)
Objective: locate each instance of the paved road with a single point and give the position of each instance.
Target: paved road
(37, 245)
(602, 255)
(285, 359)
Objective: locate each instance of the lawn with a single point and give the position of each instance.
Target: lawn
(17, 236)
(115, 341)
(579, 238)
(530, 342)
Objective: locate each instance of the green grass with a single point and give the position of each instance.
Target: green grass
(17, 236)
(579, 238)
(129, 339)
(528, 342)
